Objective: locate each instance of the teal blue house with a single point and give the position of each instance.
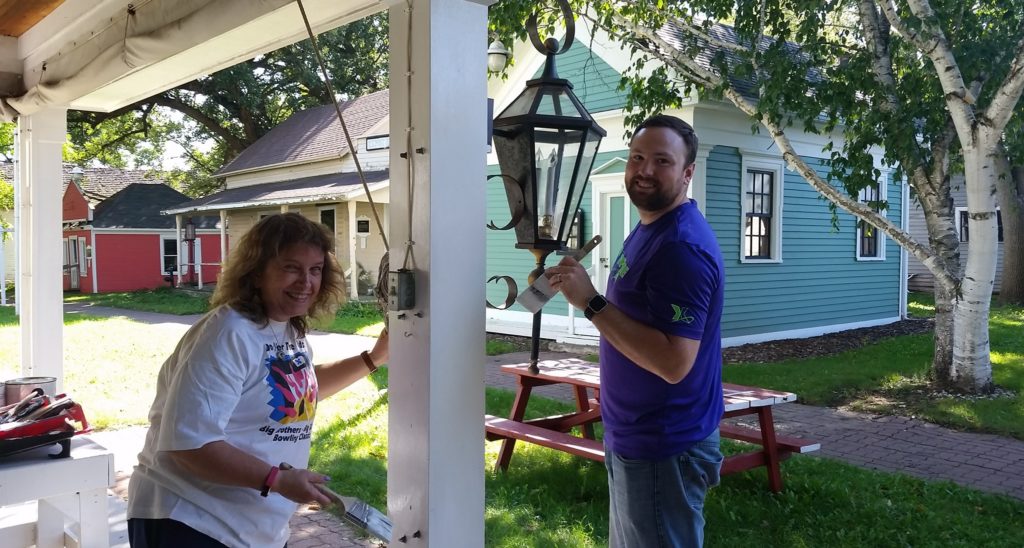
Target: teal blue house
(789, 273)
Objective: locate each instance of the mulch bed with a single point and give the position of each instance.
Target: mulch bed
(788, 349)
(823, 345)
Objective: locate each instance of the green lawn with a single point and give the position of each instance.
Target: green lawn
(891, 377)
(164, 300)
(352, 318)
(549, 498)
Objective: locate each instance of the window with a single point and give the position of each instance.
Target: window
(757, 232)
(760, 208)
(327, 218)
(574, 239)
(170, 255)
(83, 259)
(378, 142)
(962, 220)
(869, 239)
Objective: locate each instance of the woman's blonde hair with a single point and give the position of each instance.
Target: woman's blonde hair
(237, 286)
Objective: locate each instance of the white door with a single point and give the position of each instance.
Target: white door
(72, 248)
(614, 217)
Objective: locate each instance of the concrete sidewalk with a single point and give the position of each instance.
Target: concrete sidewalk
(888, 443)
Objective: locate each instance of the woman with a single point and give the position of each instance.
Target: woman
(238, 396)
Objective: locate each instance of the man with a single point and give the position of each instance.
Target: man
(661, 352)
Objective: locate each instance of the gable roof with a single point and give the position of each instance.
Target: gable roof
(97, 183)
(319, 188)
(313, 134)
(139, 206)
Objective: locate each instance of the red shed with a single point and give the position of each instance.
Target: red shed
(121, 242)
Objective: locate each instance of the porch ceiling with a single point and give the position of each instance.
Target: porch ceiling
(17, 16)
(103, 55)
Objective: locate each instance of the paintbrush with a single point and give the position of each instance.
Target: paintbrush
(534, 297)
(357, 512)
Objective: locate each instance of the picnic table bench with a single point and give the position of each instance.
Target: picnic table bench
(584, 379)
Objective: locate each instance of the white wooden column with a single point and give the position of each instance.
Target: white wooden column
(353, 243)
(40, 140)
(223, 239)
(436, 390)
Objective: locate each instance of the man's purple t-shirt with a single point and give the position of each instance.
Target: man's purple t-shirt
(669, 276)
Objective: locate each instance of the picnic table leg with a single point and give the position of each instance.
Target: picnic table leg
(518, 412)
(770, 448)
(583, 404)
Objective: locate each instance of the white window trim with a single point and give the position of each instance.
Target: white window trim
(83, 262)
(956, 218)
(883, 187)
(177, 258)
(757, 161)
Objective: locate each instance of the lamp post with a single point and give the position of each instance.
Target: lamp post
(546, 142)
(190, 237)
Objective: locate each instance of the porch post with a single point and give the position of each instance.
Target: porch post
(436, 391)
(41, 137)
(223, 239)
(353, 243)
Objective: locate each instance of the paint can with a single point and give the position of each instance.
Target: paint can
(16, 389)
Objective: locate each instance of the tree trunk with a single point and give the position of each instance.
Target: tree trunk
(942, 361)
(972, 365)
(1011, 205)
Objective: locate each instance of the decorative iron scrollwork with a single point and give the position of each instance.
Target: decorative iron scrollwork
(570, 31)
(513, 291)
(516, 204)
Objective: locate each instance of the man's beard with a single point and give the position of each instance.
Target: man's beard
(655, 200)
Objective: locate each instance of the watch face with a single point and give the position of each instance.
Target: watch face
(596, 304)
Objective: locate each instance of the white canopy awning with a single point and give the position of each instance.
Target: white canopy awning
(101, 56)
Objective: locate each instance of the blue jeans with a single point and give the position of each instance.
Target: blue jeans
(661, 503)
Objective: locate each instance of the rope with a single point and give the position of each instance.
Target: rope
(411, 173)
(344, 128)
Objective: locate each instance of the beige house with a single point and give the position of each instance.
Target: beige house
(305, 166)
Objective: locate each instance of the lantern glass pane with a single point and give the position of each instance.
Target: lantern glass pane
(555, 101)
(586, 162)
(521, 105)
(556, 153)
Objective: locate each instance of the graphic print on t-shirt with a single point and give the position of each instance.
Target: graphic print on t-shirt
(293, 389)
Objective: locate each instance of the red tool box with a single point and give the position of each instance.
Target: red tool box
(39, 420)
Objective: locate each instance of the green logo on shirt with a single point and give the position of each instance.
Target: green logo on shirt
(621, 268)
(681, 314)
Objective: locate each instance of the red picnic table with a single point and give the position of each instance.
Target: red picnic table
(584, 378)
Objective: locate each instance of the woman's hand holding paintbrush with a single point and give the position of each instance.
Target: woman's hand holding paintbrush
(302, 486)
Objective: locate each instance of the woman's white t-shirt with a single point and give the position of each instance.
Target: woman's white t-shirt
(251, 386)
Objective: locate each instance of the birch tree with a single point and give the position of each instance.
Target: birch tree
(921, 81)
(1010, 191)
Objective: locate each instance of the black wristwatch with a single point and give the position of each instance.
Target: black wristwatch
(595, 305)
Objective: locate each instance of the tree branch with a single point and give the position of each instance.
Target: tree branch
(941, 54)
(234, 143)
(860, 210)
(1008, 94)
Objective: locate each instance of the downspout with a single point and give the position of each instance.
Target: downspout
(904, 267)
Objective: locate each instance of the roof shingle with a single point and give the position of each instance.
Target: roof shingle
(307, 189)
(311, 134)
